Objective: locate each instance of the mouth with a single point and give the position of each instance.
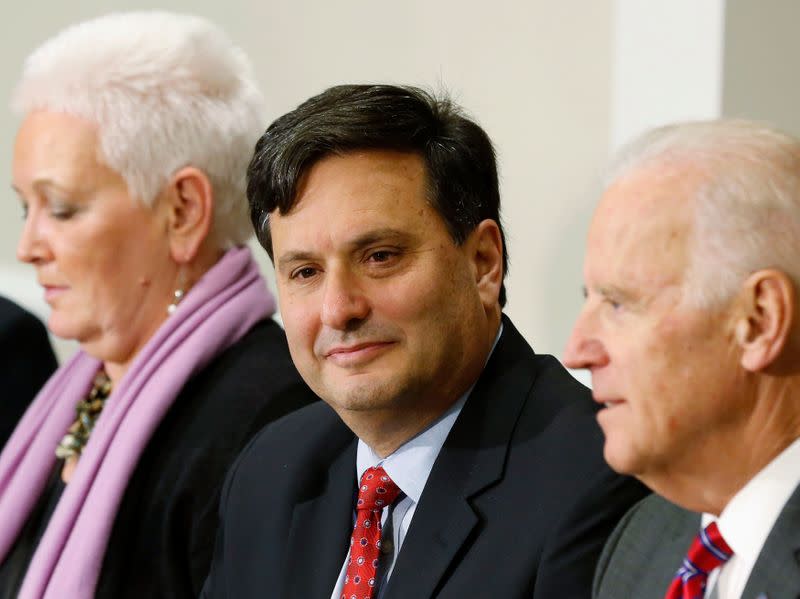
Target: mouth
(609, 404)
(357, 355)
(51, 292)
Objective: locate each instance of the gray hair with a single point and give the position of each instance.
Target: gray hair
(165, 91)
(746, 206)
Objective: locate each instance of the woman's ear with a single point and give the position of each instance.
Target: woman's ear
(190, 206)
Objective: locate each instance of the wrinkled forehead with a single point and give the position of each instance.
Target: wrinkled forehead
(644, 222)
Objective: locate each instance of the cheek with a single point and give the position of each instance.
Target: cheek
(299, 323)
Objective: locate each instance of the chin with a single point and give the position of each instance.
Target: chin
(621, 458)
(61, 329)
(368, 395)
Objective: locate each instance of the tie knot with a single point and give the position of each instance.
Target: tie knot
(377, 490)
(709, 550)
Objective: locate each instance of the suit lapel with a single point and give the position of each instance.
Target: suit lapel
(777, 569)
(472, 459)
(322, 521)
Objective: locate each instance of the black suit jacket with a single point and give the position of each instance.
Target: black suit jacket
(518, 504)
(163, 535)
(26, 362)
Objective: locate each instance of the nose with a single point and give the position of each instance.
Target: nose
(344, 304)
(31, 247)
(585, 349)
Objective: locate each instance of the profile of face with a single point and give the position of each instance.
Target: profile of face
(665, 370)
(382, 309)
(100, 255)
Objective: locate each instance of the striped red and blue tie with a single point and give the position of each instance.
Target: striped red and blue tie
(708, 551)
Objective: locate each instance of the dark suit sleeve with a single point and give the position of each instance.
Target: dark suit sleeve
(214, 586)
(608, 550)
(26, 362)
(576, 543)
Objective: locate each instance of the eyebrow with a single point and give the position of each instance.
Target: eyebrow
(608, 291)
(45, 182)
(360, 241)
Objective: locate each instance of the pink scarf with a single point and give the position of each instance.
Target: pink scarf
(219, 310)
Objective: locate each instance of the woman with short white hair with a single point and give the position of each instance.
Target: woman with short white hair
(130, 164)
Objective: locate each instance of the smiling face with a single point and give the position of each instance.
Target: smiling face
(101, 257)
(381, 308)
(666, 370)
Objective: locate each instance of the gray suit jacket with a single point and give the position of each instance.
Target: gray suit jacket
(646, 549)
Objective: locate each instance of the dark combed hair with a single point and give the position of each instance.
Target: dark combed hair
(458, 155)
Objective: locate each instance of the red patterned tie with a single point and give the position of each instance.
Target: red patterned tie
(376, 492)
(708, 551)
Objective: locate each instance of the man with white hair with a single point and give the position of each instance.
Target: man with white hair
(691, 330)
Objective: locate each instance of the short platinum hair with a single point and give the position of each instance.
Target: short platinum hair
(165, 91)
(746, 201)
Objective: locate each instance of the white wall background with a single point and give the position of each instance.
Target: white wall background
(557, 85)
(535, 74)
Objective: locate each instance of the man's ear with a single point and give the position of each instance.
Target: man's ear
(486, 252)
(765, 321)
(190, 205)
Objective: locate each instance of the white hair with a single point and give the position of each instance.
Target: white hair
(746, 204)
(165, 91)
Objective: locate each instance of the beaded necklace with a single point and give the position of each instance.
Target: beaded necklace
(87, 411)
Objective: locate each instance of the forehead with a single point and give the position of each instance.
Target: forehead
(53, 145)
(642, 227)
(349, 193)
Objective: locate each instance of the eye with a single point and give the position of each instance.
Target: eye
(62, 211)
(381, 256)
(304, 272)
(24, 206)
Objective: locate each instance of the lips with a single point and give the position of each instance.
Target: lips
(358, 354)
(608, 402)
(51, 292)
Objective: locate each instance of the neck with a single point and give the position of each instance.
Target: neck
(385, 433)
(715, 470)
(117, 365)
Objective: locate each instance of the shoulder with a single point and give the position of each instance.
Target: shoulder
(514, 360)
(307, 438)
(219, 409)
(644, 551)
(20, 325)
(12, 313)
(253, 374)
(26, 361)
(261, 351)
(290, 457)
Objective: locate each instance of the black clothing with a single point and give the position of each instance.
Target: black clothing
(26, 362)
(162, 538)
(13, 568)
(518, 504)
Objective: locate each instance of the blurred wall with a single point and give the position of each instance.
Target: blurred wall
(535, 74)
(762, 49)
(557, 85)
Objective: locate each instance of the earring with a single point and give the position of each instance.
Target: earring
(177, 295)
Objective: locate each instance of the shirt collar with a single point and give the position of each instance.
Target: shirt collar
(749, 517)
(411, 463)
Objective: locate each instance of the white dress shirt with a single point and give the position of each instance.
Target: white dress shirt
(748, 519)
(409, 467)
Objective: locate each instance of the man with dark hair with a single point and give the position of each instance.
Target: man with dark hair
(448, 459)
